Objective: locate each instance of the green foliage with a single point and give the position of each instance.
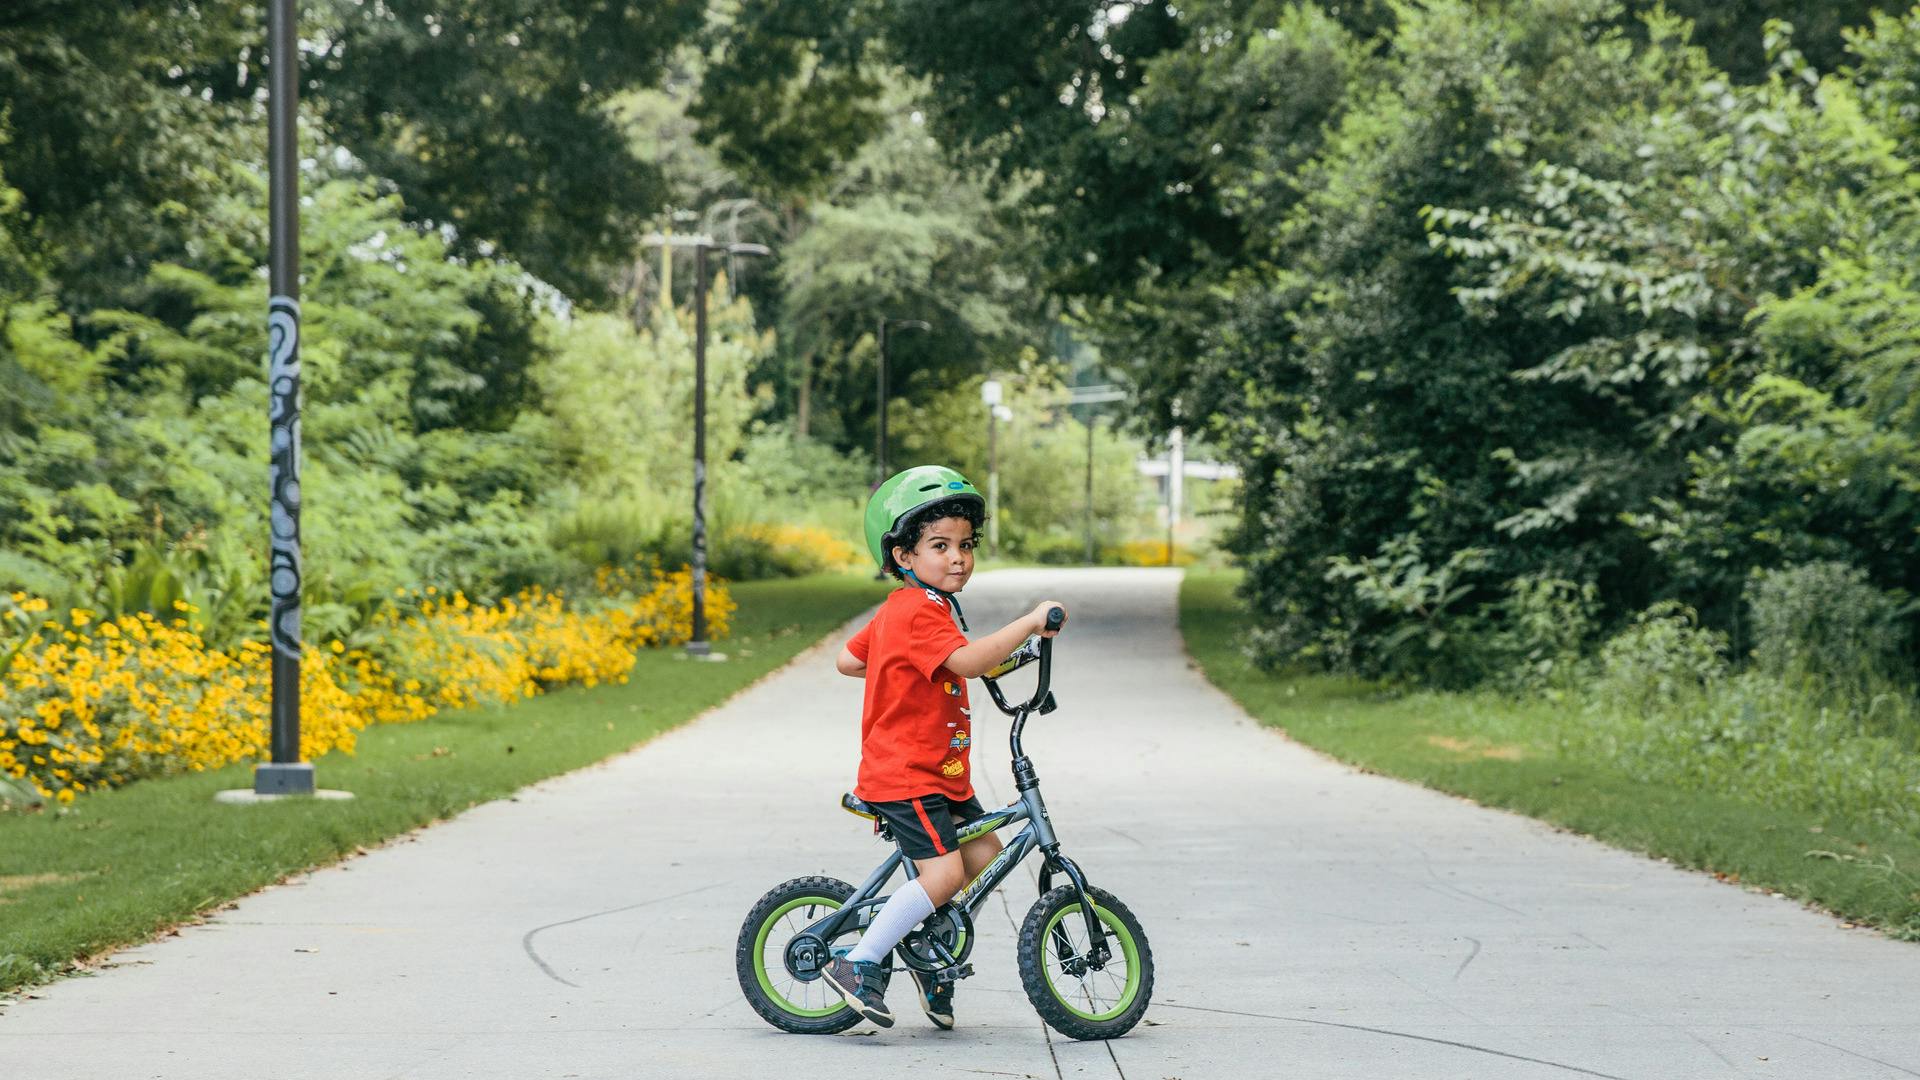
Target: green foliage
(776, 110)
(1664, 656)
(1540, 634)
(1825, 622)
(1417, 600)
(1042, 457)
(215, 591)
(620, 400)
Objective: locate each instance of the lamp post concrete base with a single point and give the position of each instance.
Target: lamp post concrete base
(283, 778)
(277, 780)
(248, 796)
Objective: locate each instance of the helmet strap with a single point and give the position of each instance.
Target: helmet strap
(958, 615)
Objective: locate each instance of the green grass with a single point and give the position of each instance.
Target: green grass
(119, 867)
(1501, 752)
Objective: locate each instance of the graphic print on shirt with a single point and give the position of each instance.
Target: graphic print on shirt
(960, 741)
(953, 767)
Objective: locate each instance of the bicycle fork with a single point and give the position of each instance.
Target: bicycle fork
(1098, 952)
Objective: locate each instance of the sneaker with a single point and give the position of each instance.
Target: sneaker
(936, 998)
(861, 984)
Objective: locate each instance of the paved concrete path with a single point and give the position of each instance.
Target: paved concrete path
(1307, 920)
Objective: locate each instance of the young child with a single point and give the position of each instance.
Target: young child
(915, 726)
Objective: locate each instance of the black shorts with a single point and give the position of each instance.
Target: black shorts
(924, 826)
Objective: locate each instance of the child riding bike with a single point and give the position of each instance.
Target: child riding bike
(916, 729)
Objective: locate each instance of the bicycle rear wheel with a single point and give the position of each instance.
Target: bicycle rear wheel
(791, 1001)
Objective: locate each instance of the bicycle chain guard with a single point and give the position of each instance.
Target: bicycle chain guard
(951, 928)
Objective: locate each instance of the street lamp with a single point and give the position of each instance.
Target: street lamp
(880, 374)
(285, 774)
(698, 646)
(990, 397)
(1176, 470)
(1090, 396)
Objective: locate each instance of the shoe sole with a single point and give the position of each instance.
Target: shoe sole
(883, 1019)
(944, 1023)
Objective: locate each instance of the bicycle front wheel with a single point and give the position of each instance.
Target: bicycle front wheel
(1073, 999)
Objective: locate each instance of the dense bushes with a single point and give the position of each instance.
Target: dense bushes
(1541, 328)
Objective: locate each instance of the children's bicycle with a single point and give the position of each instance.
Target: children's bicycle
(1083, 958)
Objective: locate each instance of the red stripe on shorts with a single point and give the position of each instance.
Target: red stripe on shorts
(928, 825)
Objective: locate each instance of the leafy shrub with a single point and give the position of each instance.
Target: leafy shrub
(755, 551)
(1539, 631)
(1663, 657)
(1825, 621)
(1426, 635)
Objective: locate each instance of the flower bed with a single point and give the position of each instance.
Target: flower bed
(86, 703)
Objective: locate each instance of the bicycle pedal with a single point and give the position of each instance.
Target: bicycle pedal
(953, 974)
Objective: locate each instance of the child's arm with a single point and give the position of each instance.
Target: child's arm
(849, 664)
(976, 658)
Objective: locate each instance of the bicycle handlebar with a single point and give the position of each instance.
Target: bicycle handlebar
(1037, 647)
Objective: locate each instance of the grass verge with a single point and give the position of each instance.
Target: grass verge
(1498, 751)
(118, 867)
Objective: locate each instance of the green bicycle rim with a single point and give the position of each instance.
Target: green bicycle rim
(760, 957)
(1127, 948)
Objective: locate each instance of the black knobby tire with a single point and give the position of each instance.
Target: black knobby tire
(763, 977)
(1048, 988)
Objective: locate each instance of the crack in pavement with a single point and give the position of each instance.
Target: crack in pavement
(1469, 959)
(1657, 1022)
(526, 942)
(1404, 1035)
(1844, 1050)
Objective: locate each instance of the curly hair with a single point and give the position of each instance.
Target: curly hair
(907, 534)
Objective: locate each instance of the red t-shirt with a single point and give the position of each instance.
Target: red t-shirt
(915, 727)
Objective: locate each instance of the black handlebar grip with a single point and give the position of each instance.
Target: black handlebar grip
(1056, 616)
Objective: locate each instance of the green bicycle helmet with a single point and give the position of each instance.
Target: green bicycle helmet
(907, 491)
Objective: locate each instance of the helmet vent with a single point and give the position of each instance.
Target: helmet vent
(931, 487)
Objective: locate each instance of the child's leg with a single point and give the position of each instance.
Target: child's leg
(940, 877)
(975, 854)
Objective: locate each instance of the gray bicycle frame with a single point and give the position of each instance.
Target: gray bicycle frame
(861, 907)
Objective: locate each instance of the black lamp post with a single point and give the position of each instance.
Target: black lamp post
(990, 394)
(286, 774)
(880, 432)
(1090, 396)
(698, 646)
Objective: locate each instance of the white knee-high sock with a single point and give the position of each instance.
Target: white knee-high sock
(903, 911)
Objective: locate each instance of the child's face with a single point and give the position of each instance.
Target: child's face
(943, 559)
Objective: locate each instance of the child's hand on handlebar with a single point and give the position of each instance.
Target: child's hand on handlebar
(1038, 617)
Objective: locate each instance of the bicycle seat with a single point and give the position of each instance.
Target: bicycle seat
(853, 805)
